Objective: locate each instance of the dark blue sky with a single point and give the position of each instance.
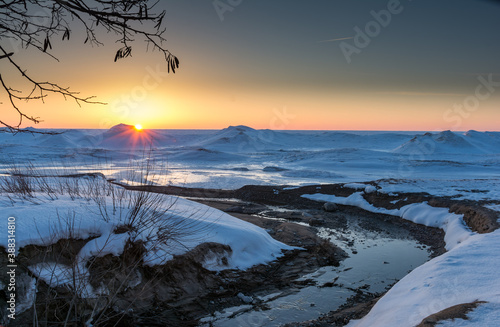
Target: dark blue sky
(429, 45)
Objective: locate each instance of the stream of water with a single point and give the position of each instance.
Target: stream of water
(376, 261)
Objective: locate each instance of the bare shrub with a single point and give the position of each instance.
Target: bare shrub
(76, 288)
(18, 183)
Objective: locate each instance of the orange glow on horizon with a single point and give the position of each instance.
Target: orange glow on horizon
(276, 111)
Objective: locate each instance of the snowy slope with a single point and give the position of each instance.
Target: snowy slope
(448, 142)
(489, 142)
(46, 222)
(468, 272)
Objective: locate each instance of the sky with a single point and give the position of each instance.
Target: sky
(420, 65)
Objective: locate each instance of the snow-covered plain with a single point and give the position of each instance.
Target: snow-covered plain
(464, 165)
(461, 165)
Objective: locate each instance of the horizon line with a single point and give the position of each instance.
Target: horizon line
(281, 130)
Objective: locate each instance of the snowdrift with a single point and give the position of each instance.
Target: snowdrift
(46, 223)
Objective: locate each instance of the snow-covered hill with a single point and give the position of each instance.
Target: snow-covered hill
(127, 137)
(241, 139)
(448, 142)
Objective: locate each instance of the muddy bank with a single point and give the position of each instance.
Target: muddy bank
(256, 198)
(311, 214)
(458, 311)
(178, 293)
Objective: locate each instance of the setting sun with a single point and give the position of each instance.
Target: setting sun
(138, 127)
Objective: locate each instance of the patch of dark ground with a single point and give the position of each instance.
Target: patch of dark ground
(478, 218)
(256, 198)
(458, 311)
(282, 224)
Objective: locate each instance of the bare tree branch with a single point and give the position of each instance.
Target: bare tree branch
(35, 23)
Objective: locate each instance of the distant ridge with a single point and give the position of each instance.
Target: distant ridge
(448, 142)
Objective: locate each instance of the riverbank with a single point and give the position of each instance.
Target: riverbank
(315, 270)
(479, 219)
(294, 220)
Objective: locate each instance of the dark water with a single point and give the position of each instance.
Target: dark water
(377, 260)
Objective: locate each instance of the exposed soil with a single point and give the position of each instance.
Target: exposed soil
(458, 311)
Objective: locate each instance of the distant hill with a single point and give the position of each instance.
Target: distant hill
(124, 136)
(448, 142)
(241, 139)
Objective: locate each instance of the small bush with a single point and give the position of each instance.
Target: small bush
(140, 216)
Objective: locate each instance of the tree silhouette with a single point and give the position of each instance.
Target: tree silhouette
(35, 23)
